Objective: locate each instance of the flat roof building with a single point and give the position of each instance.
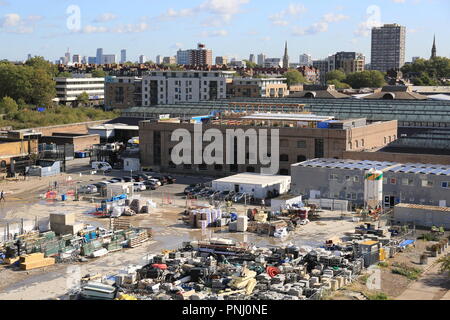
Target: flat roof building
(415, 183)
(301, 136)
(258, 88)
(69, 89)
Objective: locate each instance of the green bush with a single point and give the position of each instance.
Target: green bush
(378, 296)
(409, 272)
(383, 264)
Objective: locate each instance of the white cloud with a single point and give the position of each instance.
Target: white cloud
(282, 18)
(121, 28)
(94, 29)
(215, 33)
(223, 9)
(320, 26)
(14, 23)
(171, 13)
(333, 17)
(399, 1)
(105, 17)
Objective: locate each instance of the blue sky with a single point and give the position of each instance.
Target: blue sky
(234, 28)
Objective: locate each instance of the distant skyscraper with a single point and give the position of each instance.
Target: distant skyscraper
(261, 59)
(67, 57)
(99, 57)
(108, 59)
(305, 60)
(414, 59)
(183, 57)
(201, 56)
(286, 57)
(252, 58)
(92, 60)
(76, 59)
(158, 59)
(388, 47)
(433, 50)
(220, 61)
(142, 59)
(123, 56)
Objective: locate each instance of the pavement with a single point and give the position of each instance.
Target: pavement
(433, 285)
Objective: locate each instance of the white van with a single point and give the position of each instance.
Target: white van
(100, 165)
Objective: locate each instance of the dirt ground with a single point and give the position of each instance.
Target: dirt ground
(24, 200)
(394, 285)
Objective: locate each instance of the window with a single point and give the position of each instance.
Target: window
(445, 185)
(427, 183)
(407, 182)
(218, 167)
(355, 179)
(284, 172)
(203, 167)
(301, 144)
(347, 178)
(393, 181)
(301, 158)
(250, 169)
(284, 157)
(385, 181)
(333, 176)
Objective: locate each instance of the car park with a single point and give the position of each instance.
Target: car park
(138, 178)
(151, 185)
(128, 179)
(162, 179)
(117, 180)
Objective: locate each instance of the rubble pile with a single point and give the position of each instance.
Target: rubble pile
(220, 269)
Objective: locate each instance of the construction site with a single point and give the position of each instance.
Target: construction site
(164, 244)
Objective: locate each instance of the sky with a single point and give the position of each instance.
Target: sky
(233, 28)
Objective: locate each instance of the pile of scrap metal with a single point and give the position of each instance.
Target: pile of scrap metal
(90, 242)
(220, 269)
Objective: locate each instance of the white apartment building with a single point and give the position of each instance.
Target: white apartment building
(69, 89)
(305, 60)
(172, 87)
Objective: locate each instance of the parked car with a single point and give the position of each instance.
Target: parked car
(89, 189)
(100, 165)
(138, 178)
(145, 176)
(170, 179)
(161, 179)
(117, 180)
(190, 188)
(151, 185)
(139, 187)
(156, 181)
(128, 179)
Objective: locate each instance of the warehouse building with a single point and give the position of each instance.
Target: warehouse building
(302, 136)
(422, 216)
(259, 186)
(416, 183)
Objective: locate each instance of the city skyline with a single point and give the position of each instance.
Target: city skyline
(233, 28)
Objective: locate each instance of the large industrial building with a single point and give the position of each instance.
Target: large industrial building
(413, 183)
(301, 136)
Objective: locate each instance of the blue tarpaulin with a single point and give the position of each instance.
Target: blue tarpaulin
(406, 243)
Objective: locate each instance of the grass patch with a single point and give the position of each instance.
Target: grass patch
(383, 264)
(429, 237)
(378, 296)
(363, 279)
(409, 272)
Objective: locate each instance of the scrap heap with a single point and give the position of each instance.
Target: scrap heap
(220, 269)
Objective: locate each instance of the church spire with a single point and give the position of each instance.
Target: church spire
(433, 50)
(286, 57)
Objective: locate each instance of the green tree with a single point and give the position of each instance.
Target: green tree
(338, 75)
(445, 264)
(338, 84)
(8, 105)
(250, 65)
(98, 73)
(64, 74)
(41, 63)
(369, 79)
(428, 72)
(43, 88)
(83, 99)
(294, 77)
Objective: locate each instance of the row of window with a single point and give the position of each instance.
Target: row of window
(393, 181)
(219, 167)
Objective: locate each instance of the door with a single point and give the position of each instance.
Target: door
(236, 188)
(387, 201)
